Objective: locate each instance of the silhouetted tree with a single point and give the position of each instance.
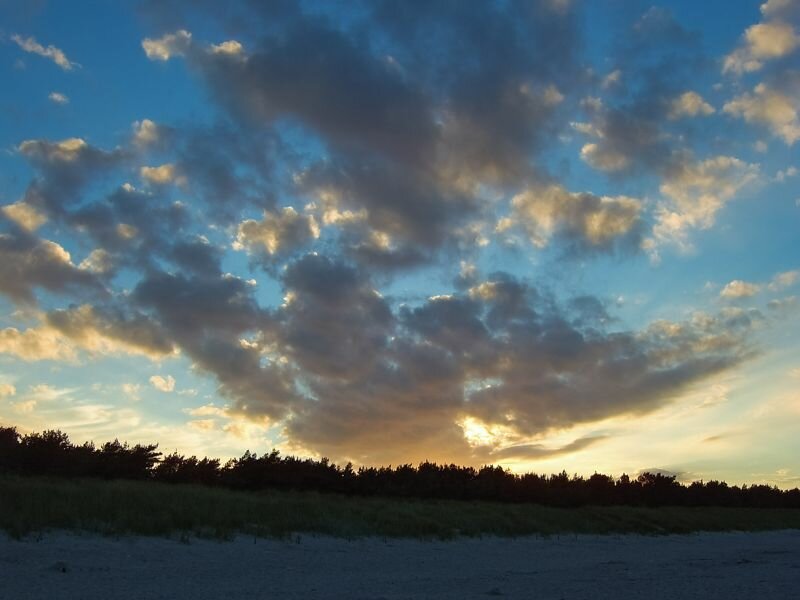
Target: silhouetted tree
(9, 448)
(51, 453)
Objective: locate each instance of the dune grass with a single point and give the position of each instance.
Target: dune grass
(32, 505)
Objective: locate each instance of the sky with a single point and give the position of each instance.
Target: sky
(552, 234)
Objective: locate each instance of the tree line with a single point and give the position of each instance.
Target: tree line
(51, 453)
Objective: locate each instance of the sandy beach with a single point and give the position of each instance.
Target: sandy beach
(708, 565)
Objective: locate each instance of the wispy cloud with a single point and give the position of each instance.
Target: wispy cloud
(163, 384)
(29, 44)
(58, 98)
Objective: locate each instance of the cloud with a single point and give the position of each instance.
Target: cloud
(696, 191)
(392, 115)
(626, 138)
(231, 47)
(65, 151)
(43, 405)
(784, 280)
(111, 330)
(503, 355)
(690, 104)
(384, 199)
(24, 215)
(203, 424)
(784, 174)
(230, 167)
(774, 8)
(537, 451)
(612, 79)
(333, 323)
(64, 168)
(62, 333)
(272, 83)
(6, 390)
(409, 376)
(140, 230)
(162, 174)
(27, 263)
(275, 233)
(209, 329)
(163, 384)
(762, 42)
(35, 344)
(739, 289)
(586, 220)
(626, 128)
(99, 262)
(770, 107)
(405, 133)
(30, 44)
(167, 46)
(58, 98)
(783, 306)
(131, 390)
(412, 150)
(208, 410)
(604, 159)
(147, 133)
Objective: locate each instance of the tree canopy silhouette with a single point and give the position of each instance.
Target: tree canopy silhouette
(51, 453)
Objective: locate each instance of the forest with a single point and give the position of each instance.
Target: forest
(52, 454)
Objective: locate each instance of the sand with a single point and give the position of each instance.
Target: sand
(707, 565)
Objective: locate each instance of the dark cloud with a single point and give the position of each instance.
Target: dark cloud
(138, 228)
(372, 254)
(628, 138)
(403, 407)
(133, 330)
(330, 83)
(539, 451)
(27, 263)
(64, 169)
(502, 353)
(411, 207)
(230, 167)
(133, 228)
(629, 129)
(418, 107)
(191, 306)
(498, 71)
(208, 317)
(197, 256)
(454, 324)
(398, 132)
(333, 324)
(560, 373)
(590, 310)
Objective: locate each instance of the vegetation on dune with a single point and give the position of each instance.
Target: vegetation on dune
(52, 454)
(36, 504)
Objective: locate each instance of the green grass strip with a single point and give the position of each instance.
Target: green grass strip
(31, 505)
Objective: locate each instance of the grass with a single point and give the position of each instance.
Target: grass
(32, 505)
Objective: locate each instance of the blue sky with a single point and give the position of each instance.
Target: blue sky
(548, 234)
